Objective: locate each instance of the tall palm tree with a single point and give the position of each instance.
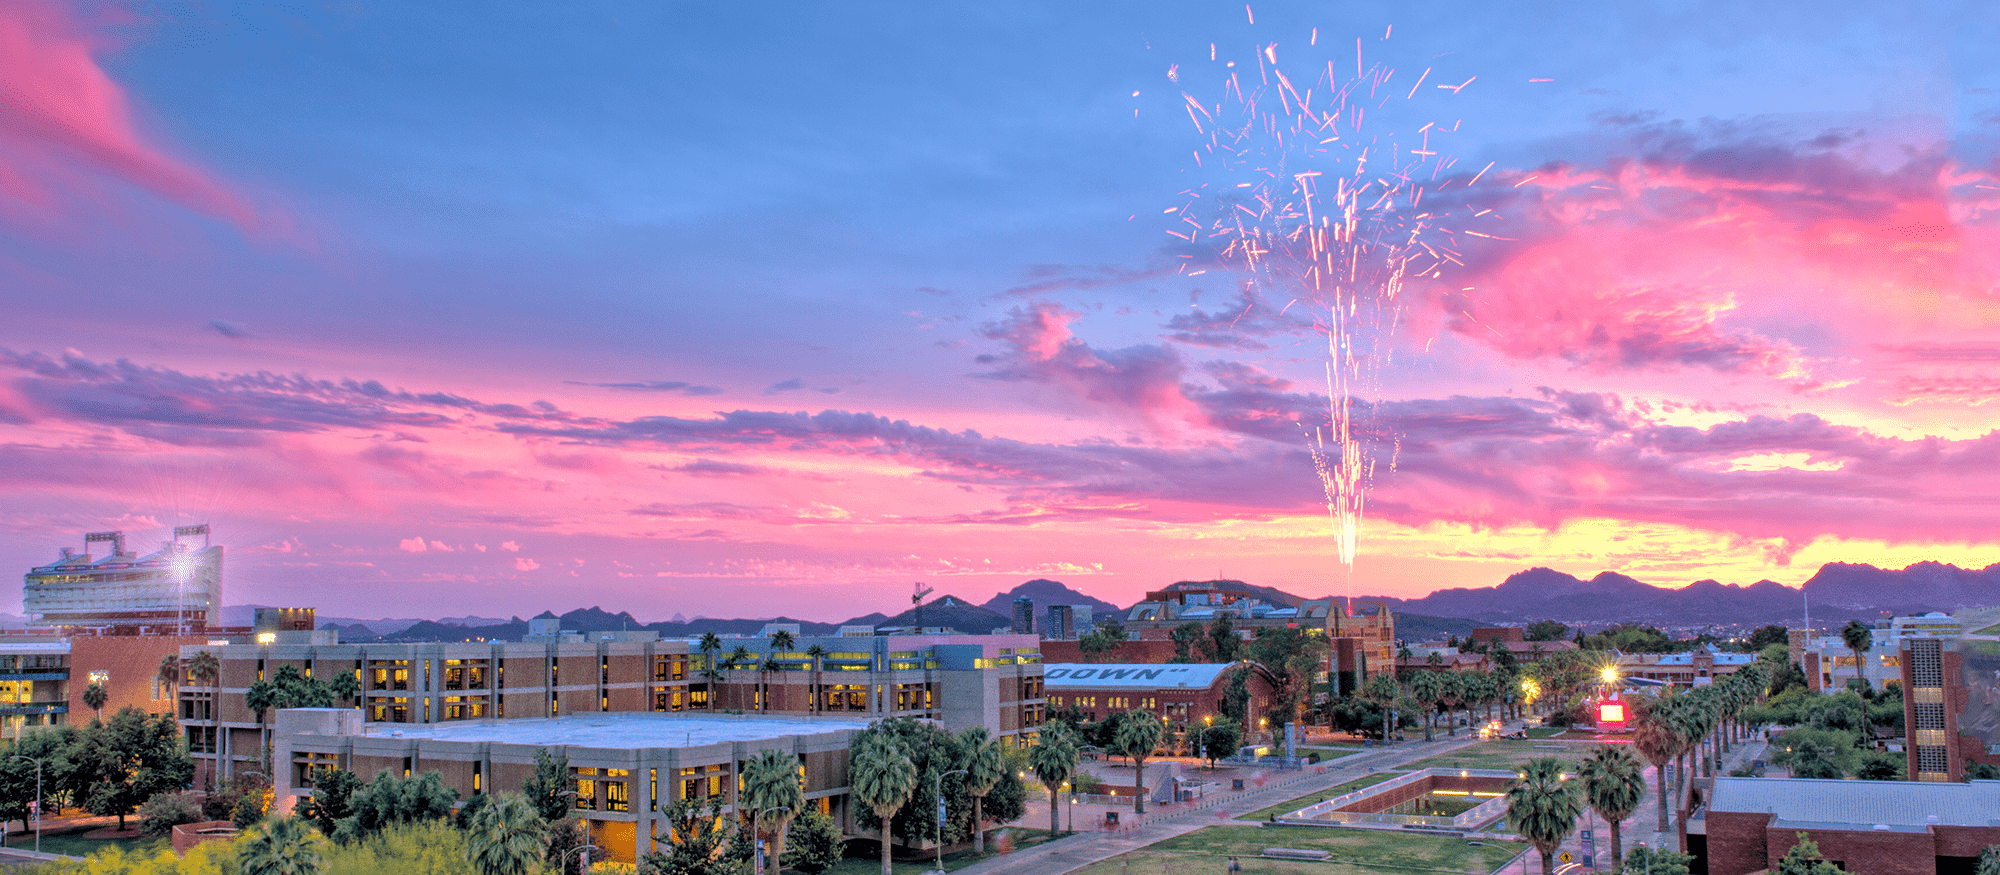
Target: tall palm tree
(94, 697)
(1137, 735)
(772, 789)
(1384, 692)
(282, 846)
(710, 645)
(505, 836)
(984, 767)
(345, 686)
(1613, 784)
(1654, 736)
(1542, 807)
(170, 674)
(769, 665)
(818, 656)
(781, 642)
(1858, 638)
(260, 697)
(882, 777)
(204, 667)
(738, 658)
(1427, 687)
(1054, 760)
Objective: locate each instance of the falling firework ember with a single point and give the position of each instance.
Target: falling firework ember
(1301, 201)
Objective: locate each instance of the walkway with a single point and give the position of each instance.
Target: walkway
(1076, 851)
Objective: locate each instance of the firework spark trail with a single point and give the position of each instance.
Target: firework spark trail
(1307, 204)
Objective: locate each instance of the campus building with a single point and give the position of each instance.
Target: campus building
(623, 766)
(1695, 668)
(1951, 705)
(175, 588)
(1875, 827)
(1182, 695)
(1829, 664)
(1362, 634)
(961, 681)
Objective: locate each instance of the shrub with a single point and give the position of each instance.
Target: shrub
(160, 814)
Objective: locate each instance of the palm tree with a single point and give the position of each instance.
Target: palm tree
(710, 645)
(1054, 760)
(772, 791)
(170, 674)
(1137, 735)
(738, 658)
(881, 777)
(1655, 738)
(769, 665)
(1453, 692)
(984, 767)
(818, 655)
(282, 846)
(1542, 807)
(1384, 692)
(204, 667)
(1427, 687)
(781, 642)
(346, 686)
(1613, 783)
(260, 697)
(93, 698)
(505, 836)
(1858, 638)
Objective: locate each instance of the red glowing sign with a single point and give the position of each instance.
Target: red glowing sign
(1611, 712)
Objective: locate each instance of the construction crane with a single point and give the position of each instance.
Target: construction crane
(917, 605)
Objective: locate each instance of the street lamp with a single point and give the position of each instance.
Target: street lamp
(1641, 846)
(938, 785)
(38, 799)
(1072, 812)
(583, 865)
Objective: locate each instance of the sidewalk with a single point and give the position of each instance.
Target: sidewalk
(1084, 848)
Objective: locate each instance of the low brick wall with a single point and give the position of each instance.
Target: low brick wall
(187, 835)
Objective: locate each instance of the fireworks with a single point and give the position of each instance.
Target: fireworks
(1298, 197)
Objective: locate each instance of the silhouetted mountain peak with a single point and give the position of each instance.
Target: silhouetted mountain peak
(1044, 592)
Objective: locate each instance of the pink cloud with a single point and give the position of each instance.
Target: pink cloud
(66, 126)
(412, 545)
(522, 563)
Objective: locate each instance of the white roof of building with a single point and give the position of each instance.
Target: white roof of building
(1118, 676)
(1861, 804)
(618, 731)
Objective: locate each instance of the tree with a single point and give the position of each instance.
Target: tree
(1545, 630)
(1858, 638)
(1989, 861)
(1383, 692)
(94, 697)
(1765, 636)
(1053, 759)
(345, 686)
(285, 846)
(260, 697)
(1103, 639)
(1656, 861)
(1814, 758)
(710, 644)
(1137, 735)
(1882, 767)
(160, 814)
(815, 844)
(984, 768)
(882, 777)
(1804, 859)
(1220, 741)
(1185, 636)
(332, 799)
(545, 788)
(1222, 642)
(773, 791)
(1613, 784)
(169, 674)
(128, 759)
(390, 801)
(1428, 688)
(1542, 807)
(1654, 737)
(694, 840)
(204, 667)
(1288, 658)
(505, 836)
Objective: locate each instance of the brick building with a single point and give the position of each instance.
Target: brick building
(1362, 635)
(1951, 705)
(623, 766)
(1873, 827)
(1182, 695)
(960, 680)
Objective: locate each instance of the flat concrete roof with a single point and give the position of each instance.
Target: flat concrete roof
(629, 730)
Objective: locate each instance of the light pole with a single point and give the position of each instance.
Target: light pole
(1641, 846)
(938, 785)
(583, 865)
(38, 799)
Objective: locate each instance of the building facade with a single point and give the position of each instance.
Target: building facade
(993, 681)
(177, 587)
(1873, 827)
(1951, 705)
(1362, 634)
(1181, 695)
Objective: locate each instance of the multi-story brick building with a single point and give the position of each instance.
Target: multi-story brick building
(1951, 705)
(1873, 827)
(993, 681)
(1188, 694)
(1362, 635)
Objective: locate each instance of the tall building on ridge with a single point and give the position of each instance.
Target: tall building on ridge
(176, 587)
(1024, 616)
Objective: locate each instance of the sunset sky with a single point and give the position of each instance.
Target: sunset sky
(756, 309)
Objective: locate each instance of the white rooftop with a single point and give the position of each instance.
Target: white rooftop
(1116, 676)
(1862, 803)
(630, 730)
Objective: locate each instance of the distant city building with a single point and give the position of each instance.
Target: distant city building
(1062, 623)
(176, 587)
(1024, 616)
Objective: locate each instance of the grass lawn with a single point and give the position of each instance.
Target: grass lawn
(1990, 630)
(869, 863)
(1310, 798)
(1354, 852)
(74, 844)
(1327, 752)
(1544, 731)
(1502, 753)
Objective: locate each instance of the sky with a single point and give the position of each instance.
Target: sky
(781, 309)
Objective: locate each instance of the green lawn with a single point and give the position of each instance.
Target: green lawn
(1544, 731)
(868, 863)
(74, 844)
(1990, 630)
(1310, 798)
(1354, 852)
(1503, 753)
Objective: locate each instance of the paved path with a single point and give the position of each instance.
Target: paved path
(1076, 851)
